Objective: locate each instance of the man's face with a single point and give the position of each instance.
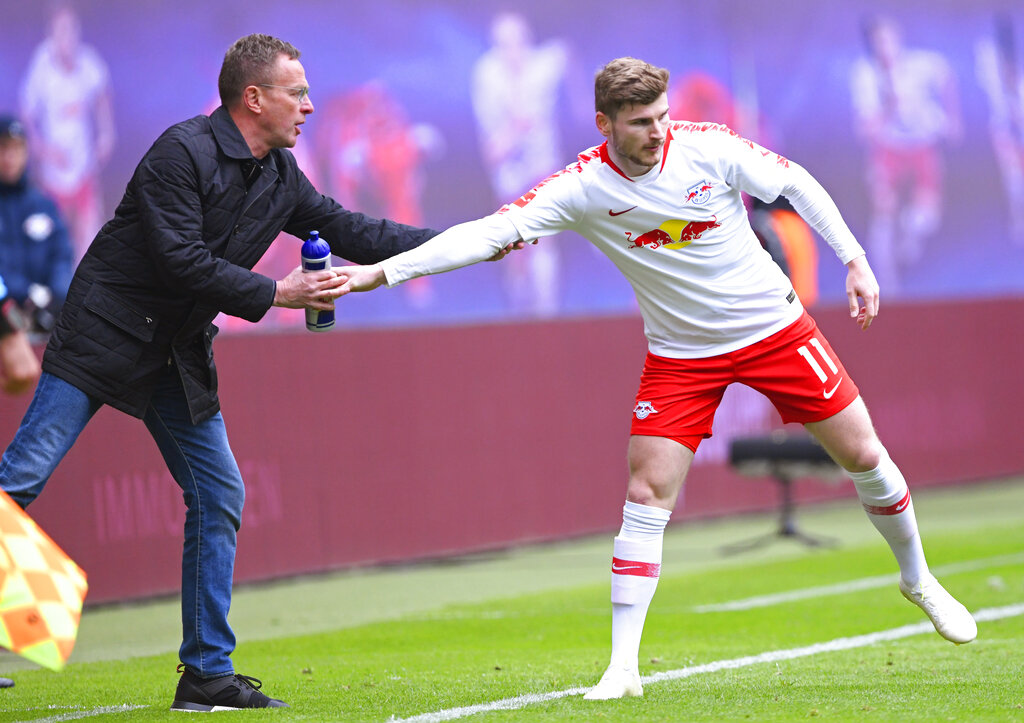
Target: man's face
(13, 157)
(282, 110)
(637, 135)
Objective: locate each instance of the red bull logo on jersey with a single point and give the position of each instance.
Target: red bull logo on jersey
(673, 234)
(698, 193)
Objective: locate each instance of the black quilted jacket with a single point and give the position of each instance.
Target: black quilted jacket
(179, 250)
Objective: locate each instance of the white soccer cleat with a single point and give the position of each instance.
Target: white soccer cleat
(617, 682)
(951, 619)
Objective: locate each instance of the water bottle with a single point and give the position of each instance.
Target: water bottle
(316, 256)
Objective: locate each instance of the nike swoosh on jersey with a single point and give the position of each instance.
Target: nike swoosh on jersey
(830, 392)
(620, 568)
(619, 213)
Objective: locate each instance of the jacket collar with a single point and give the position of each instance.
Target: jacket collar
(229, 138)
(231, 142)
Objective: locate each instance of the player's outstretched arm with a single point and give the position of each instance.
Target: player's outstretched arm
(368, 278)
(861, 286)
(461, 245)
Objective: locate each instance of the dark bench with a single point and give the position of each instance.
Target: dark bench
(784, 457)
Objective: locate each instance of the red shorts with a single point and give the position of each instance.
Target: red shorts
(795, 368)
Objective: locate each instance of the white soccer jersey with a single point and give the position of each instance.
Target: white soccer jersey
(679, 233)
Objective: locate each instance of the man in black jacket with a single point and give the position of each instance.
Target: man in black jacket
(135, 332)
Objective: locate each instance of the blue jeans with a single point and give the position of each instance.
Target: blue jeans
(201, 462)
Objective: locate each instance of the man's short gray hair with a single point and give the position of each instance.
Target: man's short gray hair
(250, 61)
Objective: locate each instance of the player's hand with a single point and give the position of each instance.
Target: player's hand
(514, 246)
(359, 278)
(308, 290)
(861, 286)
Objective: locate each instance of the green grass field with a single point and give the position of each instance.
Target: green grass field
(782, 632)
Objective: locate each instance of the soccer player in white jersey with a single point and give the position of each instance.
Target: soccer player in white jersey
(662, 200)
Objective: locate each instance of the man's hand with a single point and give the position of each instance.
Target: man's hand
(19, 366)
(308, 290)
(861, 284)
(360, 278)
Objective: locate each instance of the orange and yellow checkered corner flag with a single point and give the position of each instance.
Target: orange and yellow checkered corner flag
(41, 590)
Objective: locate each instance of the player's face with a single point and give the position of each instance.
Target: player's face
(284, 103)
(636, 137)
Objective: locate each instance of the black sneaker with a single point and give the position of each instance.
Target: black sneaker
(231, 692)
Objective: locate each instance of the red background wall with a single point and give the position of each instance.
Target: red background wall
(428, 442)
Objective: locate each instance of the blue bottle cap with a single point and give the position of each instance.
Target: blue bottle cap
(315, 247)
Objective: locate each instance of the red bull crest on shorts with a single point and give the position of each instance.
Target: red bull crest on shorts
(644, 410)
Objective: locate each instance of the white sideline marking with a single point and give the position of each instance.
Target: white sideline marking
(77, 715)
(858, 641)
(865, 583)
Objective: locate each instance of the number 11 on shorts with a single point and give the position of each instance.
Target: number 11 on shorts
(815, 366)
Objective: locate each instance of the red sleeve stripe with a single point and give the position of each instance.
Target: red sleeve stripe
(635, 567)
(891, 509)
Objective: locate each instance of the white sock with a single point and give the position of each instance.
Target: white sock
(886, 499)
(636, 565)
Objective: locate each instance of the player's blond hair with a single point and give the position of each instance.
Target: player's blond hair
(627, 81)
(250, 61)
